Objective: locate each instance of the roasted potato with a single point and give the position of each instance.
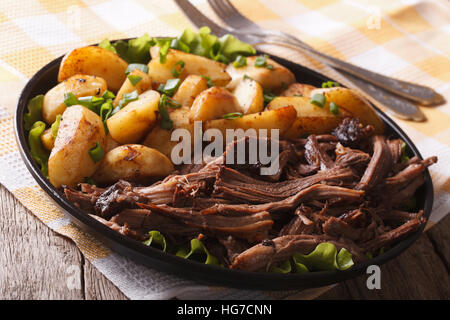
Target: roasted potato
(354, 105)
(132, 123)
(47, 139)
(280, 119)
(309, 118)
(213, 104)
(159, 138)
(142, 85)
(189, 89)
(298, 89)
(110, 143)
(272, 79)
(79, 131)
(94, 61)
(80, 85)
(193, 64)
(249, 95)
(132, 162)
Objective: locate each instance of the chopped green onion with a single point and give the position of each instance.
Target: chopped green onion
(177, 68)
(55, 126)
(70, 99)
(166, 122)
(330, 84)
(319, 100)
(106, 111)
(261, 61)
(93, 103)
(334, 108)
(170, 87)
(37, 150)
(298, 95)
(247, 77)
(34, 112)
(163, 51)
(134, 66)
(208, 81)
(97, 153)
(134, 79)
(127, 98)
(233, 115)
(108, 95)
(269, 66)
(240, 62)
(268, 96)
(284, 85)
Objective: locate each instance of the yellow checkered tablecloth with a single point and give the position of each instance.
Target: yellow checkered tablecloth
(406, 39)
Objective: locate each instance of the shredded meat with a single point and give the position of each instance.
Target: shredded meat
(349, 188)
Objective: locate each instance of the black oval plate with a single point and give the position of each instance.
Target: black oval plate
(45, 79)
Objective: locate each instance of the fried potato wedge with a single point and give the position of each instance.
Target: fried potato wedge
(189, 89)
(132, 162)
(249, 95)
(213, 103)
(79, 131)
(309, 118)
(80, 85)
(160, 138)
(298, 89)
(94, 61)
(47, 139)
(135, 120)
(272, 79)
(193, 64)
(144, 84)
(281, 119)
(354, 105)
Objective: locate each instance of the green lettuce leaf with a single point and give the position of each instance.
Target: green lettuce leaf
(156, 239)
(37, 150)
(196, 250)
(324, 257)
(34, 113)
(283, 267)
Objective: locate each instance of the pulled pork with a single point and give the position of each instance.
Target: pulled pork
(350, 188)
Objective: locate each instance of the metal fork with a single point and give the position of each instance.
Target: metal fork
(399, 106)
(240, 24)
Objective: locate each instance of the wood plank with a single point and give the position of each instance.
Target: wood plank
(418, 273)
(98, 287)
(440, 238)
(35, 262)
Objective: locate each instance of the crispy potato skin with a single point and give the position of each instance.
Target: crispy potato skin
(143, 85)
(281, 119)
(309, 118)
(159, 138)
(354, 105)
(299, 89)
(132, 123)
(189, 89)
(132, 162)
(79, 131)
(80, 85)
(250, 96)
(161, 72)
(47, 139)
(95, 61)
(213, 103)
(273, 79)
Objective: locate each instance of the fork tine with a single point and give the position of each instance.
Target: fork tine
(198, 18)
(218, 9)
(233, 11)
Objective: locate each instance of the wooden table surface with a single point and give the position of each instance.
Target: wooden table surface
(37, 263)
